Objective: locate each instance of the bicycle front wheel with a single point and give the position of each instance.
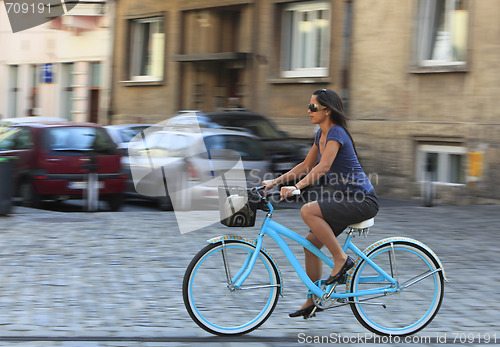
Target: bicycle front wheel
(215, 304)
(420, 289)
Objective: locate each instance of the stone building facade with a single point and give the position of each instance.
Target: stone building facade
(59, 68)
(418, 77)
(413, 111)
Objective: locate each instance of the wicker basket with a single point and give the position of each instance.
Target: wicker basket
(237, 207)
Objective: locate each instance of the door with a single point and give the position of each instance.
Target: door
(94, 92)
(94, 106)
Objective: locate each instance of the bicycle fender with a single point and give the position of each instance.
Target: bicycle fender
(252, 243)
(389, 240)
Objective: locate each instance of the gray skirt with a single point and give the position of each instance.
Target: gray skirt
(340, 210)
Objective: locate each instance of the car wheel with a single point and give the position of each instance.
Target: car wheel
(29, 197)
(114, 201)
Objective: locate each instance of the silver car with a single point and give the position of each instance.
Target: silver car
(121, 134)
(184, 168)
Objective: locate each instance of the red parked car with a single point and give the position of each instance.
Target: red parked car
(54, 158)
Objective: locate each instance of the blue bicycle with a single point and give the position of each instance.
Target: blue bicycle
(232, 286)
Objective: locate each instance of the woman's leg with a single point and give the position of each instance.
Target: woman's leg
(321, 234)
(314, 265)
(312, 216)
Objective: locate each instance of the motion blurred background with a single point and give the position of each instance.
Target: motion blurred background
(419, 78)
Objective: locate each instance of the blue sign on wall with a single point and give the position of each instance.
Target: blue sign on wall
(47, 73)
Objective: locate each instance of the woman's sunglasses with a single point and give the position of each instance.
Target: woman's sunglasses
(316, 107)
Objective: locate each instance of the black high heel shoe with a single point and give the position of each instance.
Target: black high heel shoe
(349, 263)
(306, 312)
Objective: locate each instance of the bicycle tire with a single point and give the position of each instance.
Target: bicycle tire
(409, 310)
(213, 305)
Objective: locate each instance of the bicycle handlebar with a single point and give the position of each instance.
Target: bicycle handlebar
(256, 189)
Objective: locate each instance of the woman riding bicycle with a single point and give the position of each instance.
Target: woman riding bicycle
(348, 196)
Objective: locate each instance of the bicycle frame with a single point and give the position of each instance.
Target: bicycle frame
(276, 231)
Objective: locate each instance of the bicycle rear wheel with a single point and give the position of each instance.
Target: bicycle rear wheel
(212, 301)
(412, 307)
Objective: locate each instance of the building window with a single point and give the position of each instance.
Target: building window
(66, 105)
(305, 39)
(147, 42)
(441, 164)
(34, 85)
(13, 91)
(442, 32)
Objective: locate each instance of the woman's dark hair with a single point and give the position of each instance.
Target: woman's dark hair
(332, 101)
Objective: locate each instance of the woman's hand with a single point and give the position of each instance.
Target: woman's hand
(287, 191)
(269, 184)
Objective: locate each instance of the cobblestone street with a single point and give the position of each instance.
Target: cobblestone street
(115, 278)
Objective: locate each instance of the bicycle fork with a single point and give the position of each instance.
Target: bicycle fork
(235, 282)
(227, 269)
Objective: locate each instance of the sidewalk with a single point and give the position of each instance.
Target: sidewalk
(114, 278)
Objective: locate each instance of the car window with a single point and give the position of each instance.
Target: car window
(162, 145)
(8, 138)
(80, 139)
(24, 139)
(260, 127)
(248, 148)
(188, 122)
(16, 138)
(126, 135)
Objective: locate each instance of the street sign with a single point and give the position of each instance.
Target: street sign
(47, 73)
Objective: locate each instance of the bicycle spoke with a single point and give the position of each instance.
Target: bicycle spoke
(259, 287)
(418, 278)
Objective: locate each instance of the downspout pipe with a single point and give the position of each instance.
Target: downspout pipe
(346, 53)
(113, 74)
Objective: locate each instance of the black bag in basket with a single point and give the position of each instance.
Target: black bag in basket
(237, 206)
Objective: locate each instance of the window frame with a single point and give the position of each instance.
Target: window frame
(291, 47)
(135, 63)
(235, 144)
(443, 169)
(424, 26)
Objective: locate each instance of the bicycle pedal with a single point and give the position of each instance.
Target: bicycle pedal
(342, 280)
(310, 316)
